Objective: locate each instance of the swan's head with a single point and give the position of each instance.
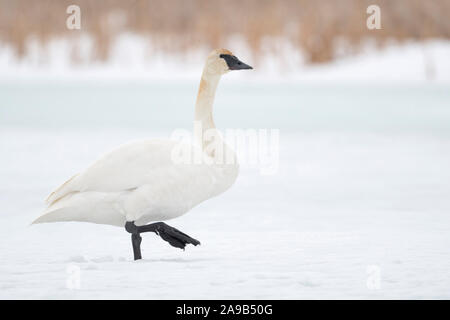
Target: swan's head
(220, 61)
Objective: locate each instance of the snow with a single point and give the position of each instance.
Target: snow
(359, 207)
(133, 57)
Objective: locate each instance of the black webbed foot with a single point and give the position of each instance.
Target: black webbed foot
(174, 237)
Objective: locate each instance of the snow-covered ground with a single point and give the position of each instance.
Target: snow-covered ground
(133, 57)
(359, 208)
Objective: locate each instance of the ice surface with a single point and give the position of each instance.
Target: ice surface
(363, 183)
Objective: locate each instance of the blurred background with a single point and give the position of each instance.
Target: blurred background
(284, 36)
(320, 29)
(364, 150)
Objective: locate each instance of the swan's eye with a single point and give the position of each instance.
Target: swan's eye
(230, 60)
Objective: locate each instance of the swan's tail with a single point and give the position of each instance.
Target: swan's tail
(95, 207)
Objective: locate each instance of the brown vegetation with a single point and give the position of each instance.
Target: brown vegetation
(315, 26)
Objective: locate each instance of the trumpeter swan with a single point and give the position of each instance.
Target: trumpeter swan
(140, 182)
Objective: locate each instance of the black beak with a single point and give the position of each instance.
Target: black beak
(234, 63)
(240, 66)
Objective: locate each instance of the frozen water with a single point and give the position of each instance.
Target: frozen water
(360, 206)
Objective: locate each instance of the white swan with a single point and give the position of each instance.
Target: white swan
(139, 182)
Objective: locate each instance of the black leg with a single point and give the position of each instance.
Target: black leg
(136, 240)
(173, 236)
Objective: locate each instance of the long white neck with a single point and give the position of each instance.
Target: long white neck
(204, 107)
(208, 137)
(205, 99)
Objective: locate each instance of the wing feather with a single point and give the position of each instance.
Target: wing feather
(60, 192)
(125, 168)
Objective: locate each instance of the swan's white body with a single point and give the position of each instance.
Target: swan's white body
(140, 181)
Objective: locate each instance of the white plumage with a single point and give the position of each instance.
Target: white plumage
(140, 182)
(135, 182)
